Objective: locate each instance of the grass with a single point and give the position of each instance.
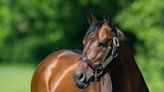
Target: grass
(15, 78)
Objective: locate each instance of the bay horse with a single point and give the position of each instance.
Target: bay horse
(106, 61)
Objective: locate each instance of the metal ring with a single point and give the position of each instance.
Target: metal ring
(116, 41)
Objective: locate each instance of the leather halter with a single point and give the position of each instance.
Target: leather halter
(110, 54)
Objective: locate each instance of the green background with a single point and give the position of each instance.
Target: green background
(32, 29)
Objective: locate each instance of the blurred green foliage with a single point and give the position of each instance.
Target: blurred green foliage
(32, 29)
(144, 18)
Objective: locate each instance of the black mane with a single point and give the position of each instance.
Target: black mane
(94, 28)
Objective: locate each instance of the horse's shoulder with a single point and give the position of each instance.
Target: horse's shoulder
(65, 54)
(56, 60)
(53, 66)
(61, 56)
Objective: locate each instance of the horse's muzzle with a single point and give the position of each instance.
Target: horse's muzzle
(81, 80)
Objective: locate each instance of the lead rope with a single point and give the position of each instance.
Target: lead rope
(95, 81)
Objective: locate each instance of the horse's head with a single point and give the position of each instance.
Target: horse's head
(98, 42)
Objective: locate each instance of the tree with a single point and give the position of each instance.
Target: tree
(145, 19)
(32, 29)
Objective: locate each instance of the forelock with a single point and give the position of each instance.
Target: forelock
(94, 28)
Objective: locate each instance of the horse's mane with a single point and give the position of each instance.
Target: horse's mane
(94, 28)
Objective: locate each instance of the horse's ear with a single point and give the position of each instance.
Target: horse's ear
(91, 18)
(106, 18)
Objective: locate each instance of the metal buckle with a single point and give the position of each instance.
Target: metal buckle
(99, 70)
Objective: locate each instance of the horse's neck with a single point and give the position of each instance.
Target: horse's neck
(126, 77)
(106, 83)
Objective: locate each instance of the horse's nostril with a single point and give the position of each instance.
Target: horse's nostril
(82, 77)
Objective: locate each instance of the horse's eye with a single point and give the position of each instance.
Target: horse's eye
(102, 44)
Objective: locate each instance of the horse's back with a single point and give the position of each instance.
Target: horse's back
(54, 69)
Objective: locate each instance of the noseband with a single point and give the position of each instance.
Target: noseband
(110, 54)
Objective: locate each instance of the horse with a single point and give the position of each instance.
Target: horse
(106, 61)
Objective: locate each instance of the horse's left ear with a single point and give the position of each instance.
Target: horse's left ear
(91, 18)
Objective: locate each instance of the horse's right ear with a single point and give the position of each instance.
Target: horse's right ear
(106, 18)
(91, 18)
